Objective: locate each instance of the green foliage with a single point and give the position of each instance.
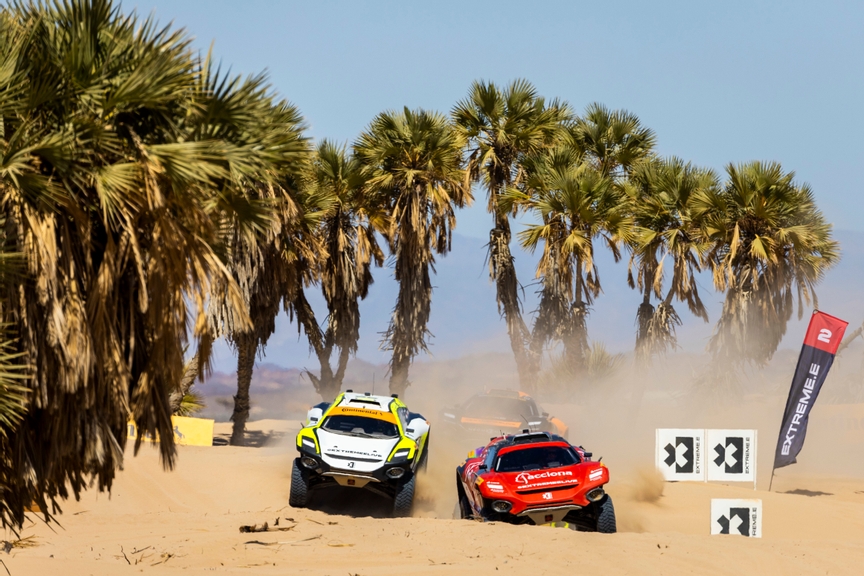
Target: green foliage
(127, 166)
(14, 395)
(576, 206)
(612, 141)
(191, 403)
(563, 380)
(768, 247)
(660, 194)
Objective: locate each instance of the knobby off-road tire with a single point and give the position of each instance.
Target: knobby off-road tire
(462, 510)
(299, 497)
(606, 516)
(404, 498)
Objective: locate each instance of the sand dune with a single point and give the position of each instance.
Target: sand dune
(187, 521)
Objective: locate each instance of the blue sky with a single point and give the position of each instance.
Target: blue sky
(718, 82)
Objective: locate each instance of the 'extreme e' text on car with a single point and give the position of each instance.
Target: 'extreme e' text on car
(535, 478)
(497, 412)
(363, 441)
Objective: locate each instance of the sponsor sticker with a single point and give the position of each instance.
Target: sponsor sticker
(595, 474)
(359, 453)
(367, 412)
(528, 478)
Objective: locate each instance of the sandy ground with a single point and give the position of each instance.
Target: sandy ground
(187, 521)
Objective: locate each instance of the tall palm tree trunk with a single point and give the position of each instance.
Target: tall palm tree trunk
(410, 317)
(326, 384)
(576, 341)
(246, 346)
(643, 323)
(643, 351)
(503, 271)
(414, 302)
(344, 355)
(399, 373)
(191, 372)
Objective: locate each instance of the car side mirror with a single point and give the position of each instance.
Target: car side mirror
(544, 414)
(416, 428)
(313, 416)
(482, 468)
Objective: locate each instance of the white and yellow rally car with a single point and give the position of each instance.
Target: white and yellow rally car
(364, 441)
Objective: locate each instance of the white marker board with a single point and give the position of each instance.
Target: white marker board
(730, 455)
(680, 453)
(736, 517)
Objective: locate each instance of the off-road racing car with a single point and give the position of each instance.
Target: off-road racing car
(535, 478)
(497, 412)
(363, 441)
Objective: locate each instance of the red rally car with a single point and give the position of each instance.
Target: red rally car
(535, 478)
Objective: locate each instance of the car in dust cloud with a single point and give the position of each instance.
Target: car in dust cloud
(535, 478)
(361, 441)
(498, 412)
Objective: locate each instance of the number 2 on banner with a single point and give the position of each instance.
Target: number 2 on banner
(824, 336)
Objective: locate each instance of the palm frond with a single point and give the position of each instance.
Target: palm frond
(14, 394)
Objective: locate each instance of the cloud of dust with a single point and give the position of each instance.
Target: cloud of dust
(605, 418)
(607, 421)
(436, 486)
(646, 486)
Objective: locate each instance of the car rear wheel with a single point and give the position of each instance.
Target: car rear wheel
(404, 498)
(606, 516)
(299, 497)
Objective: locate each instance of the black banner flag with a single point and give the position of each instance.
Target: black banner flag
(820, 344)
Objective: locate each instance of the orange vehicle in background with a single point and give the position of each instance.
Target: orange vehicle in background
(499, 412)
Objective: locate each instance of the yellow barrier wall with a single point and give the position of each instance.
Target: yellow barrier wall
(187, 431)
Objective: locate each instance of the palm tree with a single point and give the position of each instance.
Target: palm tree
(565, 382)
(260, 257)
(576, 205)
(501, 127)
(613, 141)
(770, 246)
(120, 162)
(349, 222)
(413, 164)
(660, 193)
